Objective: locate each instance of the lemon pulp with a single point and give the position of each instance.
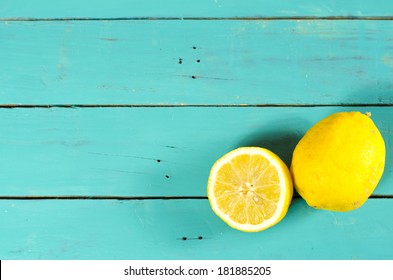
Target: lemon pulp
(250, 188)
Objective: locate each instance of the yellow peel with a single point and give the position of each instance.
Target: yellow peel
(250, 189)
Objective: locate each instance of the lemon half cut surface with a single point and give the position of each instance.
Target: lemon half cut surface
(250, 188)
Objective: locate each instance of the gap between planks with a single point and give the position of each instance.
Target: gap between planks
(202, 18)
(75, 106)
(81, 197)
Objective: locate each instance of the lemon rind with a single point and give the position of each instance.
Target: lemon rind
(285, 185)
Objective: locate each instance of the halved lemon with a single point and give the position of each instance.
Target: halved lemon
(250, 189)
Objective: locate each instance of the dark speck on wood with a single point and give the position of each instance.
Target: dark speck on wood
(210, 78)
(170, 147)
(184, 238)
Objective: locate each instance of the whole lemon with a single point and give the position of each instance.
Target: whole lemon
(339, 162)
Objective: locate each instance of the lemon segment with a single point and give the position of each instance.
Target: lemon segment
(250, 189)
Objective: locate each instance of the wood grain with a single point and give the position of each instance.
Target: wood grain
(196, 62)
(112, 114)
(148, 151)
(201, 8)
(147, 229)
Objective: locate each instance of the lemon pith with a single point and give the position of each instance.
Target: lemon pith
(250, 188)
(339, 162)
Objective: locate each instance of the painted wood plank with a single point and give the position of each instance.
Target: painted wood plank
(154, 229)
(196, 62)
(201, 8)
(148, 151)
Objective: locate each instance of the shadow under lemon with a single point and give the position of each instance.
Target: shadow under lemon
(281, 138)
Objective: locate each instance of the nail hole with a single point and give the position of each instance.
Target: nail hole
(198, 60)
(194, 48)
(158, 160)
(166, 176)
(184, 238)
(193, 77)
(180, 60)
(200, 237)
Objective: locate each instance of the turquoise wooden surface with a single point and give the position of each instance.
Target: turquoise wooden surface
(115, 62)
(154, 229)
(201, 8)
(132, 151)
(120, 171)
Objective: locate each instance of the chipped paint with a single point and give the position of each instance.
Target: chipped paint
(387, 60)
